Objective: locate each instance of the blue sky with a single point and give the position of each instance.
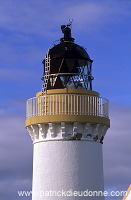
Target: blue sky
(27, 28)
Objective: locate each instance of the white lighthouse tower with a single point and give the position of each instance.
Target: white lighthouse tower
(67, 122)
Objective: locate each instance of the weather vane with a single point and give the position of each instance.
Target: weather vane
(66, 30)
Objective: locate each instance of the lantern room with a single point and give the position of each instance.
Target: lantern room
(67, 65)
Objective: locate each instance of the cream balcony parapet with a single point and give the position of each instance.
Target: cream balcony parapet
(68, 105)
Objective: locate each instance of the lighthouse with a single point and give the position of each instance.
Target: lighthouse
(67, 122)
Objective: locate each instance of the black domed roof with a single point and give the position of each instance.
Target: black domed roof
(68, 50)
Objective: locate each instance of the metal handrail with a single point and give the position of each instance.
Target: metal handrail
(70, 104)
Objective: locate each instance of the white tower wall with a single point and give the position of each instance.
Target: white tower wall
(67, 165)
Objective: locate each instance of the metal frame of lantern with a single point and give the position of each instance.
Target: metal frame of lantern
(82, 79)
